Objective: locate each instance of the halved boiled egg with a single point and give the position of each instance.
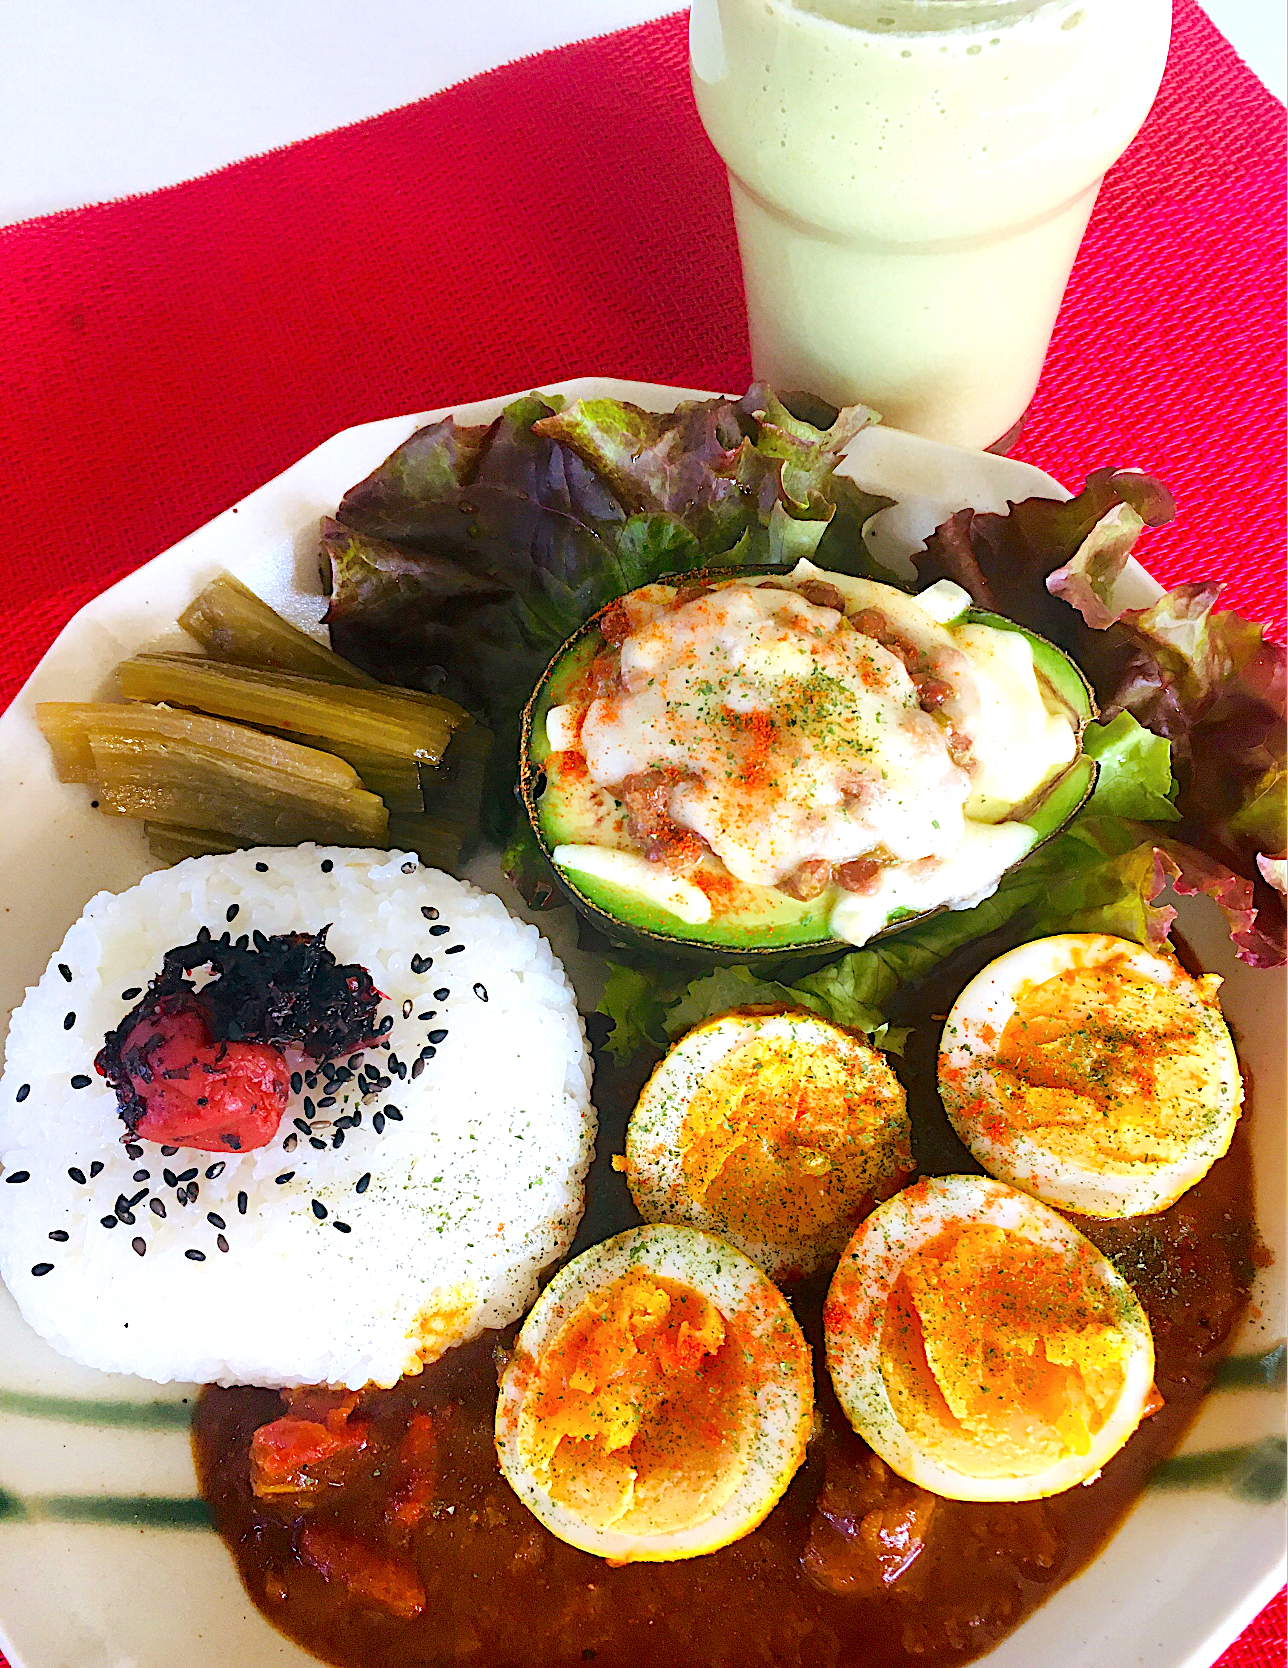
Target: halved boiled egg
(1094, 1074)
(777, 1131)
(982, 1346)
(658, 1400)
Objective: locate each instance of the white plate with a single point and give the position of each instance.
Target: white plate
(98, 1568)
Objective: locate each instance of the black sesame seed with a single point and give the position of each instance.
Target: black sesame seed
(16, 1176)
(140, 1245)
(133, 1150)
(327, 1070)
(195, 1256)
(394, 1113)
(141, 1175)
(169, 1152)
(407, 1007)
(481, 992)
(259, 939)
(378, 1123)
(65, 971)
(169, 1178)
(318, 1146)
(126, 1216)
(437, 932)
(428, 913)
(309, 1107)
(342, 1227)
(24, 1089)
(420, 963)
(409, 868)
(284, 1177)
(80, 1081)
(221, 1242)
(241, 1204)
(203, 933)
(244, 941)
(187, 1175)
(300, 1125)
(297, 1083)
(355, 1118)
(363, 1183)
(131, 993)
(261, 868)
(214, 1170)
(61, 1235)
(355, 1060)
(95, 1167)
(344, 1075)
(437, 1036)
(429, 1013)
(427, 1053)
(319, 1210)
(311, 1079)
(417, 1067)
(157, 1207)
(141, 1194)
(108, 1221)
(327, 1100)
(326, 865)
(215, 1220)
(291, 1142)
(43, 1268)
(337, 1139)
(442, 994)
(231, 913)
(122, 1204)
(68, 1021)
(453, 949)
(77, 1175)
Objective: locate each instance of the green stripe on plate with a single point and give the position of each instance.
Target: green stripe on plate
(143, 1511)
(1253, 1372)
(74, 1410)
(1256, 1471)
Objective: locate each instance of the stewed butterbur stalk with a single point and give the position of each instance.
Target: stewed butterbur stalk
(378, 720)
(188, 770)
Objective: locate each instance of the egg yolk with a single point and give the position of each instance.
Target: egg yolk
(1106, 1067)
(787, 1145)
(1001, 1356)
(641, 1415)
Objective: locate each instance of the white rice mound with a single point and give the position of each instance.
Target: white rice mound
(477, 1189)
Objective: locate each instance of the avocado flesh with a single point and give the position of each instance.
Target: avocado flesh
(753, 922)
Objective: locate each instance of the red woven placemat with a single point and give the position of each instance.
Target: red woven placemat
(564, 216)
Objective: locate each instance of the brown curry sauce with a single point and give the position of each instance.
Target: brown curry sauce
(853, 1567)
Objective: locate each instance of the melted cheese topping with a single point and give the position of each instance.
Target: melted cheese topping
(642, 1413)
(791, 737)
(796, 736)
(1001, 1356)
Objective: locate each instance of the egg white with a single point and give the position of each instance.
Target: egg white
(854, 1314)
(784, 1396)
(978, 1018)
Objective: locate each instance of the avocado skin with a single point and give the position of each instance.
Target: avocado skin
(795, 945)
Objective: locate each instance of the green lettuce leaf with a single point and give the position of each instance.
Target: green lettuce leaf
(1135, 777)
(471, 554)
(1203, 679)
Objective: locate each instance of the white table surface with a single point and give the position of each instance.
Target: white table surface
(106, 98)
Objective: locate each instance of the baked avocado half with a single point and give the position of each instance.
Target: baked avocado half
(683, 899)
